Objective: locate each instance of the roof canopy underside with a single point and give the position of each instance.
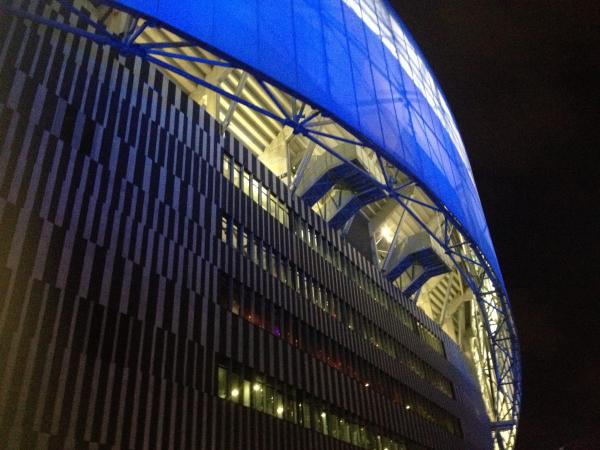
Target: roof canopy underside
(354, 60)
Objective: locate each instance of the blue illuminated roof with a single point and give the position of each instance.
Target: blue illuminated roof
(355, 60)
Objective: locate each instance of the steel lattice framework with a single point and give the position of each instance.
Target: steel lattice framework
(499, 359)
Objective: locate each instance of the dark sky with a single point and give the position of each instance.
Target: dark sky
(522, 79)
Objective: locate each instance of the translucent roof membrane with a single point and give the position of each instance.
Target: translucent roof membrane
(355, 60)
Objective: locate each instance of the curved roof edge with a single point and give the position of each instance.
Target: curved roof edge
(356, 61)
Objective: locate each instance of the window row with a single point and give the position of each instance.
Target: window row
(293, 405)
(262, 196)
(311, 290)
(368, 286)
(254, 189)
(261, 312)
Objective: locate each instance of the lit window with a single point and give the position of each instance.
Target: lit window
(246, 184)
(255, 191)
(226, 167)
(245, 244)
(246, 394)
(234, 236)
(224, 229)
(236, 174)
(264, 198)
(222, 382)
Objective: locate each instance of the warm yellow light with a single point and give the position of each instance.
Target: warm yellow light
(256, 387)
(387, 233)
(407, 406)
(235, 393)
(323, 415)
(280, 410)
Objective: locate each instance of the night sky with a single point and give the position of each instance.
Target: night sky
(522, 79)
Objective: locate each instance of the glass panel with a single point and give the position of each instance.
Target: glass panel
(234, 236)
(306, 420)
(264, 259)
(344, 430)
(226, 167)
(224, 229)
(255, 191)
(283, 272)
(258, 396)
(274, 206)
(255, 252)
(273, 265)
(222, 382)
(332, 425)
(245, 244)
(236, 175)
(279, 406)
(290, 408)
(269, 400)
(246, 401)
(319, 418)
(246, 185)
(264, 198)
(234, 388)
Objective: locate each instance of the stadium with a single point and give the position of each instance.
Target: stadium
(241, 224)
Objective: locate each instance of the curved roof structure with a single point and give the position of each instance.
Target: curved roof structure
(346, 79)
(355, 60)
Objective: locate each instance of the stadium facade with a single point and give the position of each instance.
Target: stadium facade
(240, 224)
